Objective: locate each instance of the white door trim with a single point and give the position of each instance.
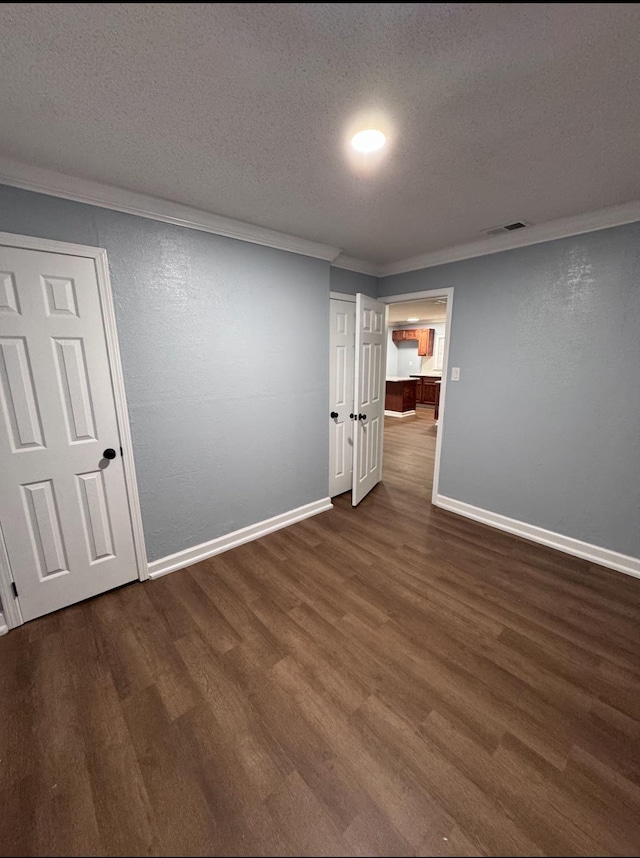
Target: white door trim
(99, 255)
(342, 296)
(445, 292)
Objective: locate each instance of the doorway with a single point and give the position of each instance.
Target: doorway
(418, 333)
(70, 524)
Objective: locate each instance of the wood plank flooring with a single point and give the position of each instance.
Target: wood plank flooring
(391, 680)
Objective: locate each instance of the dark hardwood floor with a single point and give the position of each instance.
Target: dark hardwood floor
(391, 680)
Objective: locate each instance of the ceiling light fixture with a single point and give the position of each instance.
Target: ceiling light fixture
(367, 141)
(412, 319)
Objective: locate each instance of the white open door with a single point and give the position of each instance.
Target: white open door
(369, 396)
(64, 510)
(342, 361)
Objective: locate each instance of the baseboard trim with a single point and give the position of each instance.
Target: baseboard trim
(4, 628)
(399, 413)
(237, 537)
(586, 551)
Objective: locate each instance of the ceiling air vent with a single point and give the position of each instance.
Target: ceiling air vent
(508, 227)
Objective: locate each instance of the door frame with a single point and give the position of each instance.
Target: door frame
(10, 605)
(445, 292)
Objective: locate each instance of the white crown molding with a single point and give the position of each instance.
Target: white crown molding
(237, 537)
(593, 553)
(43, 181)
(360, 266)
(549, 231)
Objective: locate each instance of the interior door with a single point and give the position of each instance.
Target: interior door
(368, 396)
(342, 362)
(64, 512)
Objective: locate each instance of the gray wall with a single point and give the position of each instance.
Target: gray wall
(350, 282)
(544, 425)
(225, 351)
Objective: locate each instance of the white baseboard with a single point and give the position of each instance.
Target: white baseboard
(399, 413)
(237, 537)
(593, 553)
(4, 628)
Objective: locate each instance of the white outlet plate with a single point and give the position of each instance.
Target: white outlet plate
(455, 373)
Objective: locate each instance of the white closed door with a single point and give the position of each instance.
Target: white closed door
(341, 362)
(369, 396)
(64, 512)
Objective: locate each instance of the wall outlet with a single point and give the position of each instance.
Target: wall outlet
(410, 363)
(455, 373)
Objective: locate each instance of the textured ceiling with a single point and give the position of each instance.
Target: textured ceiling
(496, 112)
(427, 310)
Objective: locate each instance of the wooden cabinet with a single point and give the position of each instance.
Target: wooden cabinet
(429, 394)
(400, 396)
(424, 336)
(419, 390)
(426, 393)
(401, 336)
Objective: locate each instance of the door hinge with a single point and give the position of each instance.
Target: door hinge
(121, 453)
(14, 589)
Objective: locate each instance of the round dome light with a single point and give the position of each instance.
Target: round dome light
(368, 141)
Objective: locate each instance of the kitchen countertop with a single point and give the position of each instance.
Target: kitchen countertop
(427, 375)
(401, 378)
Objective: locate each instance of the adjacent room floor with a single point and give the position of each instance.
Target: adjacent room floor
(391, 680)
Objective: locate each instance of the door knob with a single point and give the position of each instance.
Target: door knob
(333, 414)
(352, 416)
(109, 453)
(362, 416)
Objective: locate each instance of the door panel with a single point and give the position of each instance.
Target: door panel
(8, 295)
(369, 396)
(24, 426)
(342, 359)
(74, 389)
(96, 519)
(64, 509)
(44, 528)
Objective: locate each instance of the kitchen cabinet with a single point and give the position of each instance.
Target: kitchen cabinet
(426, 393)
(429, 392)
(401, 336)
(424, 336)
(400, 396)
